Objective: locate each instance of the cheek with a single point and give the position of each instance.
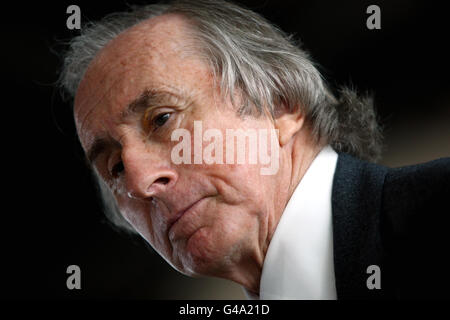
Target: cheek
(241, 185)
(235, 223)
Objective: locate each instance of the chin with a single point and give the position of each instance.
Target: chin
(206, 255)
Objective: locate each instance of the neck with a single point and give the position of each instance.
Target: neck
(303, 154)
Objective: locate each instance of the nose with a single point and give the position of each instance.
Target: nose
(147, 174)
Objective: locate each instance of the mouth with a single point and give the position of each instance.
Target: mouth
(182, 213)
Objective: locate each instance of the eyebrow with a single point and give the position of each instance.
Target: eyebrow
(148, 99)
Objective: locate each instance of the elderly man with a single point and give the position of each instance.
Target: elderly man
(324, 224)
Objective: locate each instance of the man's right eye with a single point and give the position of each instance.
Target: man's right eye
(160, 120)
(155, 119)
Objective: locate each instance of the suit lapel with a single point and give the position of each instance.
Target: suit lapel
(356, 205)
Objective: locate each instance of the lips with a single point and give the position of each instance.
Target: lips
(181, 213)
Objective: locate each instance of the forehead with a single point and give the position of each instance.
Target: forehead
(154, 54)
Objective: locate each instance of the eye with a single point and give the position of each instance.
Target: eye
(160, 120)
(117, 169)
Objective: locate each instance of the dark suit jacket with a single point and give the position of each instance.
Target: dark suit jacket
(397, 219)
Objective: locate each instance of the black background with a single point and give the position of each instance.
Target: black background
(50, 212)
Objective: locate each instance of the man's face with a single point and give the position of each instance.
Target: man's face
(140, 88)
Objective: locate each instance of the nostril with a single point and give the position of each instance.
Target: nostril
(162, 181)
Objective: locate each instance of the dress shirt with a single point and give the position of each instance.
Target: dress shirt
(299, 261)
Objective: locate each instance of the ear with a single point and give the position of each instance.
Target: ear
(288, 124)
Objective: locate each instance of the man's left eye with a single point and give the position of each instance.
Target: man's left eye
(160, 120)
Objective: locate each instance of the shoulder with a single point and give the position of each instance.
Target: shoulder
(424, 186)
(400, 194)
(415, 219)
(417, 183)
(428, 173)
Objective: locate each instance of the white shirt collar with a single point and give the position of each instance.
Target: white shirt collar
(299, 261)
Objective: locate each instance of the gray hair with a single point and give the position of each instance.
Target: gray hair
(249, 54)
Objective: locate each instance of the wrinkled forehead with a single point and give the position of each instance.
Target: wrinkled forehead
(152, 54)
